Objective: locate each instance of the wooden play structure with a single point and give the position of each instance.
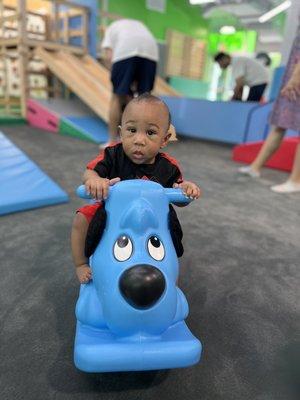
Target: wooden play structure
(46, 55)
(22, 31)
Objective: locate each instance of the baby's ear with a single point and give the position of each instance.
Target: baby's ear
(172, 132)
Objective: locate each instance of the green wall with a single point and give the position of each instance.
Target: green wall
(179, 16)
(241, 41)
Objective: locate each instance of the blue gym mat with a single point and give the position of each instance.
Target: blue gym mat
(23, 185)
(92, 127)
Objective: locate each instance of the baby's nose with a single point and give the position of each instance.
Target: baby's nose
(139, 138)
(142, 285)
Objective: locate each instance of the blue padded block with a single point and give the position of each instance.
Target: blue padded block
(213, 120)
(93, 127)
(23, 185)
(276, 82)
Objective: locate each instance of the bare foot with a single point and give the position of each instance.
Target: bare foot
(84, 273)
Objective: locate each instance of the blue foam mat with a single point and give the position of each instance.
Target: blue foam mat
(23, 185)
(94, 128)
(230, 122)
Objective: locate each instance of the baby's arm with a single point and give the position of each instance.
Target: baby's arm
(78, 235)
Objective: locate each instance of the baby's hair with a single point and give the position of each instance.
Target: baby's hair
(149, 98)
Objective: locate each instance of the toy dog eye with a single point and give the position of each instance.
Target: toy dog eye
(156, 248)
(123, 248)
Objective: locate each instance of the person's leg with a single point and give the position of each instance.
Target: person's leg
(295, 175)
(256, 92)
(269, 147)
(292, 185)
(117, 103)
(121, 77)
(145, 75)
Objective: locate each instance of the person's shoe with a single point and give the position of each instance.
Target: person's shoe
(247, 170)
(286, 187)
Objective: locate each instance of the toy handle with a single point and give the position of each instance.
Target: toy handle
(176, 196)
(80, 191)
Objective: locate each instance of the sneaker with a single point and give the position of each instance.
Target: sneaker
(286, 187)
(247, 170)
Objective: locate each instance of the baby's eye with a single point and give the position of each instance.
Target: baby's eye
(131, 130)
(150, 132)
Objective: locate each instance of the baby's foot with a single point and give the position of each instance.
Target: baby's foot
(84, 273)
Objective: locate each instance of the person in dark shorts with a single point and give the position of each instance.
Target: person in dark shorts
(144, 131)
(246, 72)
(132, 54)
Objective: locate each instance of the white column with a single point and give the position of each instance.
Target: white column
(291, 25)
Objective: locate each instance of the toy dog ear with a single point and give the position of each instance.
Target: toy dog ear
(95, 231)
(176, 231)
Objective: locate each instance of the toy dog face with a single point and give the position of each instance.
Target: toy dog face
(135, 265)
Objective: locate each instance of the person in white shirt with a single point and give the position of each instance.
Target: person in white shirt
(131, 53)
(246, 72)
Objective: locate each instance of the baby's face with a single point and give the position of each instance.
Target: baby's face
(144, 131)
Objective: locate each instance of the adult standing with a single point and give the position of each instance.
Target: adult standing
(246, 72)
(132, 54)
(285, 115)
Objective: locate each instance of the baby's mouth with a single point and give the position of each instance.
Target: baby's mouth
(138, 154)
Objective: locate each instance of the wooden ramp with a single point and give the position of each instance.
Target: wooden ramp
(72, 71)
(89, 80)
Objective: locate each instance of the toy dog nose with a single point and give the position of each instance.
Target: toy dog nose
(142, 285)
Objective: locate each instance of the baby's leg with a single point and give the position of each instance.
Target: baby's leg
(78, 236)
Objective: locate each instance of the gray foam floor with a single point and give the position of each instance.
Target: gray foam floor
(71, 107)
(240, 273)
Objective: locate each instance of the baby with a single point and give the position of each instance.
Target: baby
(144, 130)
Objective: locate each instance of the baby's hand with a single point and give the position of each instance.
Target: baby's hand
(97, 187)
(189, 189)
(84, 273)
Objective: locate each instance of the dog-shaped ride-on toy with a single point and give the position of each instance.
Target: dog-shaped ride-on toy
(130, 316)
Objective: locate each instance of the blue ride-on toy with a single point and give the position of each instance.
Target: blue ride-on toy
(130, 316)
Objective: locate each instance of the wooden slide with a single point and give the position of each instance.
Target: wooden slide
(88, 79)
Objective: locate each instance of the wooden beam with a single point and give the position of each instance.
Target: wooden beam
(72, 33)
(23, 56)
(85, 22)
(9, 18)
(55, 31)
(11, 101)
(66, 28)
(9, 42)
(54, 46)
(69, 4)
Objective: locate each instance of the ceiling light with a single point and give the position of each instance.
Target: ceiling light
(193, 2)
(277, 10)
(227, 30)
